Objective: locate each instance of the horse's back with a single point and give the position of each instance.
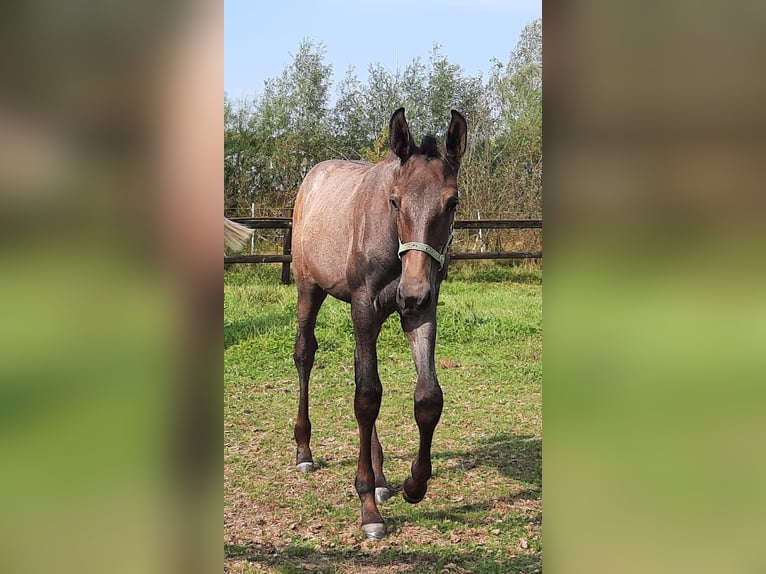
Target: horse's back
(323, 224)
(329, 186)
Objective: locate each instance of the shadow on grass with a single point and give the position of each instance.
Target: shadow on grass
(297, 558)
(238, 331)
(467, 513)
(517, 457)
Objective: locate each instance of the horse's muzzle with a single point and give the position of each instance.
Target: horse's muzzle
(413, 298)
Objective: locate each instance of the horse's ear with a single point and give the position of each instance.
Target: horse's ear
(399, 135)
(457, 135)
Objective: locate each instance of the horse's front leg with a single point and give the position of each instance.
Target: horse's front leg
(421, 332)
(367, 397)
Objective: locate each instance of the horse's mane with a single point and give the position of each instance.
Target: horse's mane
(429, 147)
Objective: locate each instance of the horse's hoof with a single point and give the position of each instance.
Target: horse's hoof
(416, 496)
(411, 500)
(304, 467)
(382, 494)
(374, 531)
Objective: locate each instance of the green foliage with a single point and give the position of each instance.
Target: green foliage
(273, 139)
(378, 149)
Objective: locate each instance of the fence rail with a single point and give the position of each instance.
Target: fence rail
(285, 223)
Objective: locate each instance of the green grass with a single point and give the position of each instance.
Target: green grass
(482, 512)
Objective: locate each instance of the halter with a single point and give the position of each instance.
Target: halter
(424, 247)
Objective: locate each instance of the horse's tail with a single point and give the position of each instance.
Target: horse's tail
(235, 235)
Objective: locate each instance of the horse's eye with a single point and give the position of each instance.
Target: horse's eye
(394, 202)
(452, 203)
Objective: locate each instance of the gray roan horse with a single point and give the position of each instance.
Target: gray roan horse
(377, 236)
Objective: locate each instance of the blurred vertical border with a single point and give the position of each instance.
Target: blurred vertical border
(111, 186)
(655, 315)
(655, 318)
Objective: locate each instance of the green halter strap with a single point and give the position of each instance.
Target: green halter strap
(417, 246)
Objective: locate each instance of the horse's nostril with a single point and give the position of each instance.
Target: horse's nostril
(413, 299)
(399, 297)
(424, 299)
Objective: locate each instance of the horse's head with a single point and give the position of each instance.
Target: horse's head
(424, 198)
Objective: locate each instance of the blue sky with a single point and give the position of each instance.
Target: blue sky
(261, 36)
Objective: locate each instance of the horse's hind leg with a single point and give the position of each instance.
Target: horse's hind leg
(382, 492)
(310, 299)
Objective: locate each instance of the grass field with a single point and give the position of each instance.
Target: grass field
(483, 509)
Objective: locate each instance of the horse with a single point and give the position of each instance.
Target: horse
(377, 236)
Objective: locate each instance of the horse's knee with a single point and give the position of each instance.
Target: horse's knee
(367, 400)
(429, 401)
(305, 348)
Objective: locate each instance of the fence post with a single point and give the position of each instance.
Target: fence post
(252, 237)
(287, 250)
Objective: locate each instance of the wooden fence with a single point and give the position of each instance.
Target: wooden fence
(285, 223)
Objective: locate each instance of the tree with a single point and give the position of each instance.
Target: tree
(348, 118)
(240, 149)
(273, 140)
(514, 93)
